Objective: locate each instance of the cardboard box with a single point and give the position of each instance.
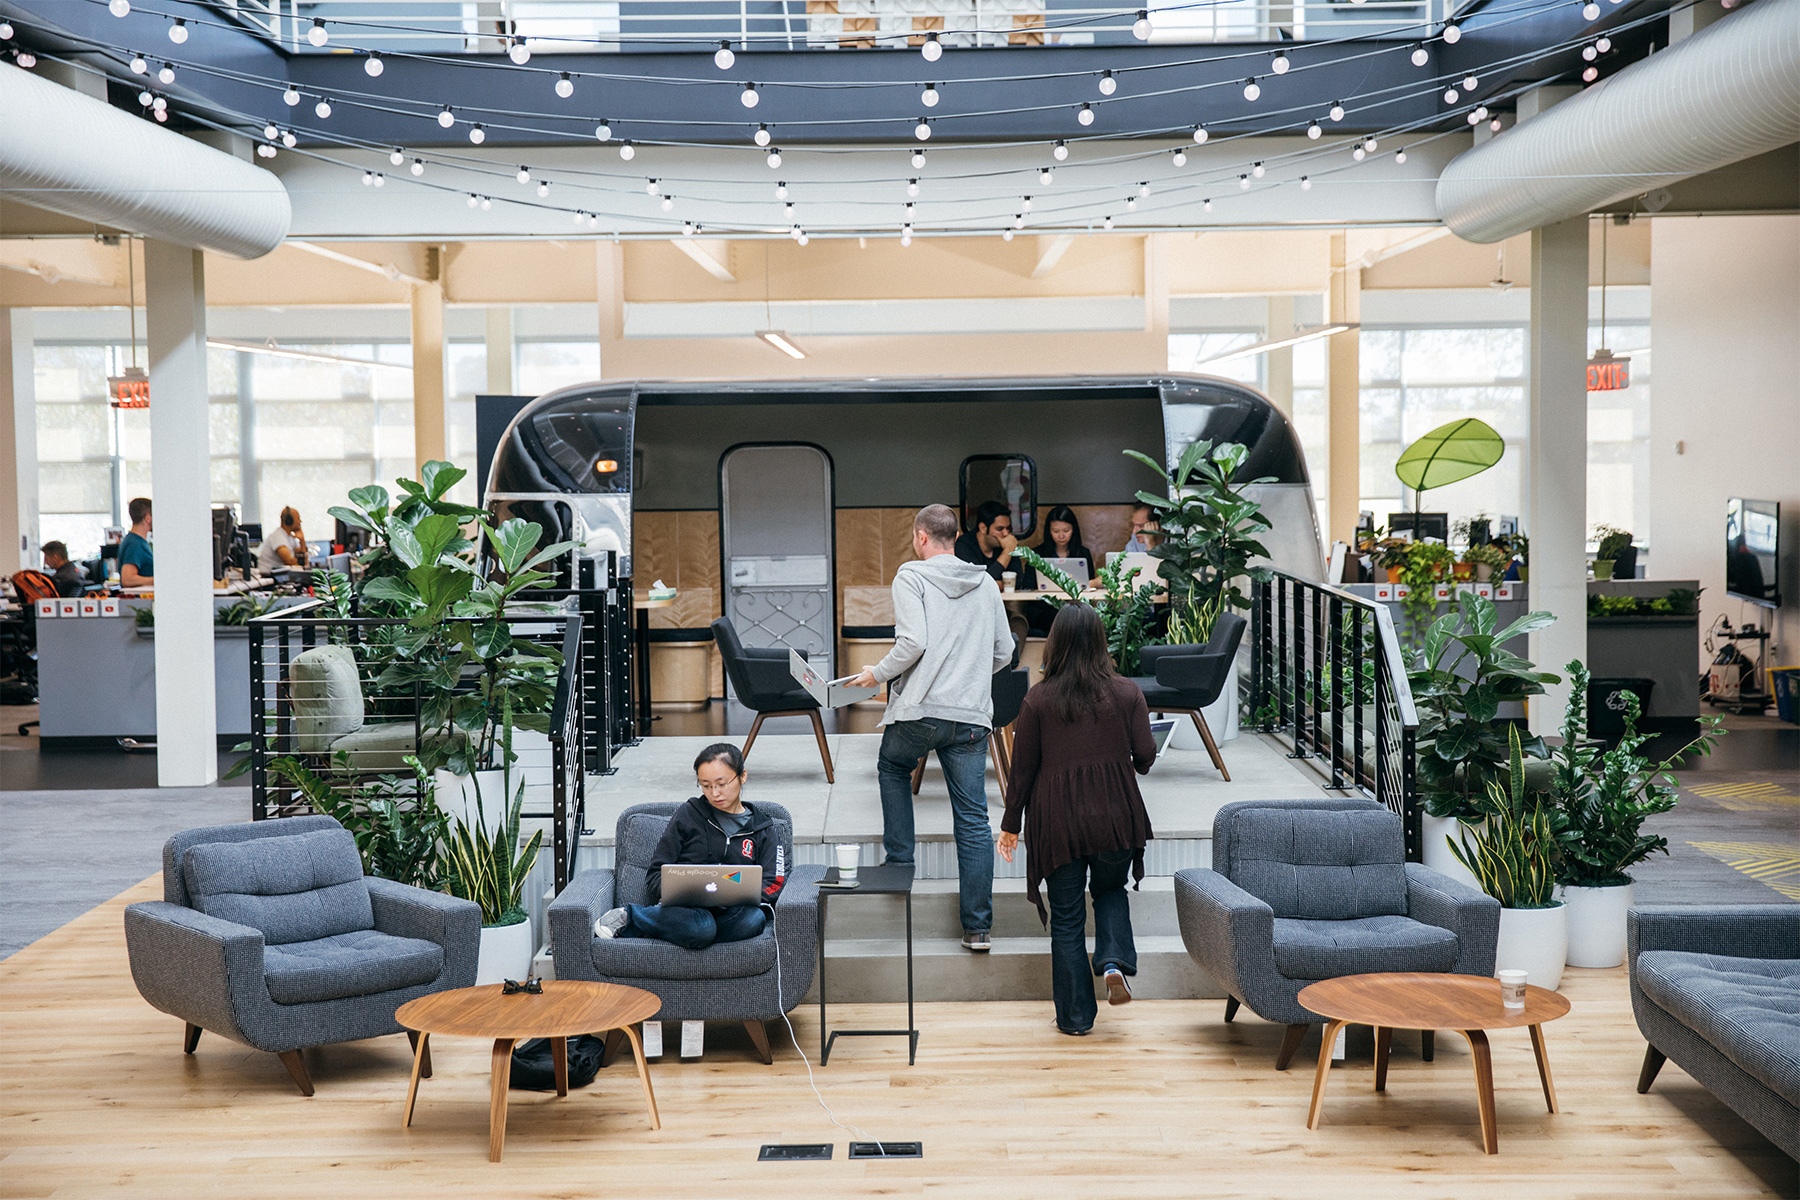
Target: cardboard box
(47, 609)
(68, 608)
(90, 606)
(830, 693)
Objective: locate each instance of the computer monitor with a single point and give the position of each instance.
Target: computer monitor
(1753, 551)
(1421, 525)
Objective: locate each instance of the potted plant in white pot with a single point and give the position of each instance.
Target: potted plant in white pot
(1604, 798)
(1513, 857)
(488, 866)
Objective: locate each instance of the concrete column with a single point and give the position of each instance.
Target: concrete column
(1556, 473)
(1281, 362)
(181, 484)
(428, 370)
(19, 534)
(1156, 301)
(609, 290)
(500, 352)
(249, 481)
(1343, 397)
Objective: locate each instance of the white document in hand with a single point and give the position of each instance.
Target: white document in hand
(830, 693)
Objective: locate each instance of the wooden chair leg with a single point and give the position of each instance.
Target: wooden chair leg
(759, 1036)
(999, 757)
(918, 776)
(1653, 1061)
(190, 1039)
(1231, 1007)
(750, 741)
(1290, 1042)
(297, 1068)
(1212, 747)
(824, 750)
(412, 1035)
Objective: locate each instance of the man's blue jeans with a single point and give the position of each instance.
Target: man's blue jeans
(962, 752)
(694, 928)
(1072, 983)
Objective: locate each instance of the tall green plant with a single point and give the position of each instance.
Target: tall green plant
(1460, 677)
(1125, 609)
(1512, 853)
(398, 827)
(483, 867)
(1423, 566)
(1209, 531)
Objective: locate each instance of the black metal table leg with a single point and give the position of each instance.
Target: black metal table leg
(643, 672)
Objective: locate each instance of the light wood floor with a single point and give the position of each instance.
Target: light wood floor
(1163, 1100)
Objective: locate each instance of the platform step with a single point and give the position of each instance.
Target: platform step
(936, 911)
(873, 970)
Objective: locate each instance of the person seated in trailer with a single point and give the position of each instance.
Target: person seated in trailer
(70, 579)
(1144, 530)
(991, 543)
(137, 561)
(715, 828)
(1062, 539)
(284, 547)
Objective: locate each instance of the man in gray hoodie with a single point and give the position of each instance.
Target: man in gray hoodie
(950, 637)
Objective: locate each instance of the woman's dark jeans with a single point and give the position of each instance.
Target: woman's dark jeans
(1071, 979)
(693, 928)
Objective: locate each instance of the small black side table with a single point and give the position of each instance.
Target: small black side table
(871, 881)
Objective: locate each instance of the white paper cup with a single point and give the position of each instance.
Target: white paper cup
(1512, 988)
(848, 855)
(1009, 580)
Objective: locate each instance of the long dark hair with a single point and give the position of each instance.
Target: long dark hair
(1047, 545)
(1078, 671)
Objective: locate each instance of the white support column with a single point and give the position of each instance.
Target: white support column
(1343, 393)
(1557, 470)
(1280, 379)
(181, 485)
(19, 533)
(428, 363)
(500, 377)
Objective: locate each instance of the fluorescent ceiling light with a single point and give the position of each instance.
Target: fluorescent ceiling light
(781, 342)
(279, 351)
(1311, 333)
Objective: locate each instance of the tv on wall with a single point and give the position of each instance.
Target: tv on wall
(1753, 551)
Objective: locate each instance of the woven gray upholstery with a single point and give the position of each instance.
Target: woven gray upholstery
(1717, 990)
(228, 978)
(1342, 856)
(732, 981)
(292, 889)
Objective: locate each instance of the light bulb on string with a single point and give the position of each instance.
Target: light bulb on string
(487, 203)
(1589, 53)
(445, 117)
(1018, 220)
(1420, 56)
(373, 66)
(318, 35)
(1108, 85)
(1252, 89)
(6, 29)
(1060, 151)
(396, 156)
(1452, 35)
(1256, 169)
(1206, 205)
(781, 191)
(418, 167)
(906, 238)
(1179, 157)
(323, 108)
(524, 175)
(761, 137)
(1131, 204)
(908, 210)
(787, 210)
(912, 187)
(1590, 11)
(1370, 145)
(1046, 177)
(119, 8)
(543, 188)
(1024, 203)
(773, 158)
(668, 203)
(166, 74)
(477, 134)
(30, 60)
(723, 58)
(1336, 112)
(929, 97)
(1140, 28)
(144, 99)
(380, 179)
(1006, 235)
(1200, 135)
(160, 104)
(1470, 83)
(803, 239)
(593, 220)
(1481, 112)
(1314, 131)
(1400, 155)
(922, 130)
(687, 229)
(1603, 44)
(291, 97)
(1086, 114)
(1144, 189)
(1359, 153)
(565, 86)
(472, 200)
(1106, 222)
(933, 49)
(1590, 74)
(270, 132)
(1451, 95)
(519, 52)
(138, 65)
(651, 187)
(265, 150)
(288, 139)
(749, 96)
(627, 151)
(579, 216)
(1305, 184)
(1243, 183)
(603, 132)
(1280, 64)
(918, 160)
(178, 32)
(1476, 120)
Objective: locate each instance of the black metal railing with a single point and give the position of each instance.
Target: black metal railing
(352, 737)
(1327, 677)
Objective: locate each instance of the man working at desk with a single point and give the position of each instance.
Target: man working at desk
(950, 636)
(137, 562)
(70, 579)
(991, 545)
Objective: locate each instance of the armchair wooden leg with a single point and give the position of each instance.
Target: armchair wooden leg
(750, 741)
(1290, 1042)
(824, 750)
(918, 776)
(1231, 1007)
(297, 1068)
(190, 1039)
(412, 1035)
(1653, 1061)
(759, 1035)
(1212, 747)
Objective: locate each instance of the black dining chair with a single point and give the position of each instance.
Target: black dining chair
(1008, 691)
(1185, 679)
(764, 685)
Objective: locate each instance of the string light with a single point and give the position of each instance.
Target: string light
(1024, 203)
(373, 65)
(929, 97)
(627, 151)
(1470, 83)
(524, 175)
(144, 99)
(1590, 53)
(1370, 145)
(159, 104)
(519, 52)
(1018, 220)
(418, 167)
(477, 134)
(906, 237)
(30, 60)
(922, 130)
(1305, 184)
(271, 132)
(1603, 44)
(749, 96)
(318, 35)
(668, 203)
(1179, 158)
(323, 108)
(265, 150)
(1451, 95)
(445, 117)
(288, 139)
(1046, 177)
(1144, 189)
(565, 87)
(773, 158)
(1140, 28)
(933, 49)
(723, 58)
(781, 192)
(1452, 35)
(119, 8)
(1060, 151)
(487, 203)
(1086, 115)
(803, 239)
(138, 65)
(1590, 11)
(1108, 85)
(1359, 153)
(6, 29)
(1590, 74)
(912, 187)
(543, 187)
(787, 210)
(1495, 126)
(1314, 131)
(761, 136)
(579, 216)
(602, 132)
(1251, 89)
(651, 187)
(1256, 169)
(918, 160)
(1243, 183)
(1131, 204)
(1420, 56)
(397, 156)
(178, 32)
(380, 179)
(1206, 205)
(1280, 64)
(1336, 112)
(1200, 135)
(687, 229)
(166, 74)
(473, 200)
(1106, 222)
(1400, 155)
(1006, 235)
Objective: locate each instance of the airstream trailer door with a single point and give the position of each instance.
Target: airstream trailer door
(776, 542)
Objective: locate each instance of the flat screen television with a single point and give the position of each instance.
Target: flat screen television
(1753, 551)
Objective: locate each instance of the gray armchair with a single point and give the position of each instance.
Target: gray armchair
(269, 934)
(752, 981)
(1309, 890)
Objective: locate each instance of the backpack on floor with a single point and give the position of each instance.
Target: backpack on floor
(534, 1070)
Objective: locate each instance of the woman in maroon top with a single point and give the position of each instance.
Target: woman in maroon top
(1080, 735)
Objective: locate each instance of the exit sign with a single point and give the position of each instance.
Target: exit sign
(130, 390)
(1608, 374)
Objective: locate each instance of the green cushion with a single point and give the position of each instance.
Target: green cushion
(328, 699)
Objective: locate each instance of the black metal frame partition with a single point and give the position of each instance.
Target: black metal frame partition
(1327, 676)
(278, 638)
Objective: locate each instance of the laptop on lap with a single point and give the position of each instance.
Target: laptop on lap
(687, 885)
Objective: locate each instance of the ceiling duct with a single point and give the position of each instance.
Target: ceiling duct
(1725, 94)
(75, 155)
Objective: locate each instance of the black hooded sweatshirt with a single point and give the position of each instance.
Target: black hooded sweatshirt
(695, 836)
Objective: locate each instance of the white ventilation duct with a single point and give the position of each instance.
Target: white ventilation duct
(72, 154)
(1726, 93)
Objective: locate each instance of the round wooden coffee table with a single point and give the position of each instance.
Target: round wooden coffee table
(566, 1008)
(1468, 1004)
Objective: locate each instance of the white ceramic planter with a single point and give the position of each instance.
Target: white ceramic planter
(1434, 839)
(456, 796)
(1596, 924)
(1221, 718)
(1536, 941)
(505, 952)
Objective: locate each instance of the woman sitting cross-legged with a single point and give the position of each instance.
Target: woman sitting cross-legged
(1080, 735)
(715, 828)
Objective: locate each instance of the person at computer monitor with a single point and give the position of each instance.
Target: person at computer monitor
(1145, 530)
(1062, 539)
(137, 561)
(715, 828)
(284, 547)
(70, 579)
(991, 543)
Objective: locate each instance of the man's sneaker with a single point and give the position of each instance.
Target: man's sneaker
(610, 922)
(976, 940)
(1117, 990)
